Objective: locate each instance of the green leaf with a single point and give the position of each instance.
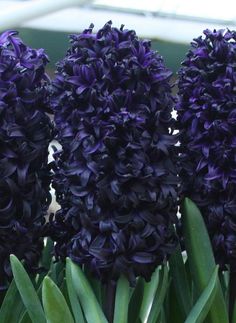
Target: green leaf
(56, 272)
(162, 315)
(74, 301)
(173, 311)
(148, 296)
(180, 281)
(47, 254)
(234, 314)
(25, 318)
(64, 291)
(122, 301)
(201, 259)
(136, 301)
(88, 300)
(159, 296)
(95, 284)
(27, 291)
(46, 260)
(54, 303)
(200, 310)
(12, 300)
(223, 283)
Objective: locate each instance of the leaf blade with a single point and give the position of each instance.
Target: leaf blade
(54, 303)
(148, 295)
(201, 259)
(159, 296)
(234, 313)
(136, 301)
(74, 301)
(201, 308)
(121, 301)
(27, 291)
(88, 300)
(180, 281)
(11, 300)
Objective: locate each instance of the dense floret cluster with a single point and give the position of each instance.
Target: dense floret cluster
(207, 123)
(115, 176)
(25, 133)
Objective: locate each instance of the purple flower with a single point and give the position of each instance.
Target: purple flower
(115, 177)
(206, 120)
(25, 133)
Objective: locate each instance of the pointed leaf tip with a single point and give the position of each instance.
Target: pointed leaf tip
(27, 291)
(54, 303)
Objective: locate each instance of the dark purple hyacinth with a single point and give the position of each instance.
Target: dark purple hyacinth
(114, 177)
(207, 123)
(25, 133)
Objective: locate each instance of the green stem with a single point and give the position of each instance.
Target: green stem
(232, 292)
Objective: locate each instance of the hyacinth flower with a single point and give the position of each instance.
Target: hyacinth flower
(115, 177)
(25, 133)
(206, 121)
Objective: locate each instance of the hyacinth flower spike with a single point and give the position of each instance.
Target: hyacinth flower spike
(25, 133)
(207, 124)
(115, 177)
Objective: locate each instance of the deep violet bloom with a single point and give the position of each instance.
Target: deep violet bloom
(25, 133)
(115, 176)
(207, 122)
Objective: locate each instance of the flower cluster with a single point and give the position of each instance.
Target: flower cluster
(25, 133)
(207, 123)
(115, 177)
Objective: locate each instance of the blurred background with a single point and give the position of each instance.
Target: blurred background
(170, 24)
